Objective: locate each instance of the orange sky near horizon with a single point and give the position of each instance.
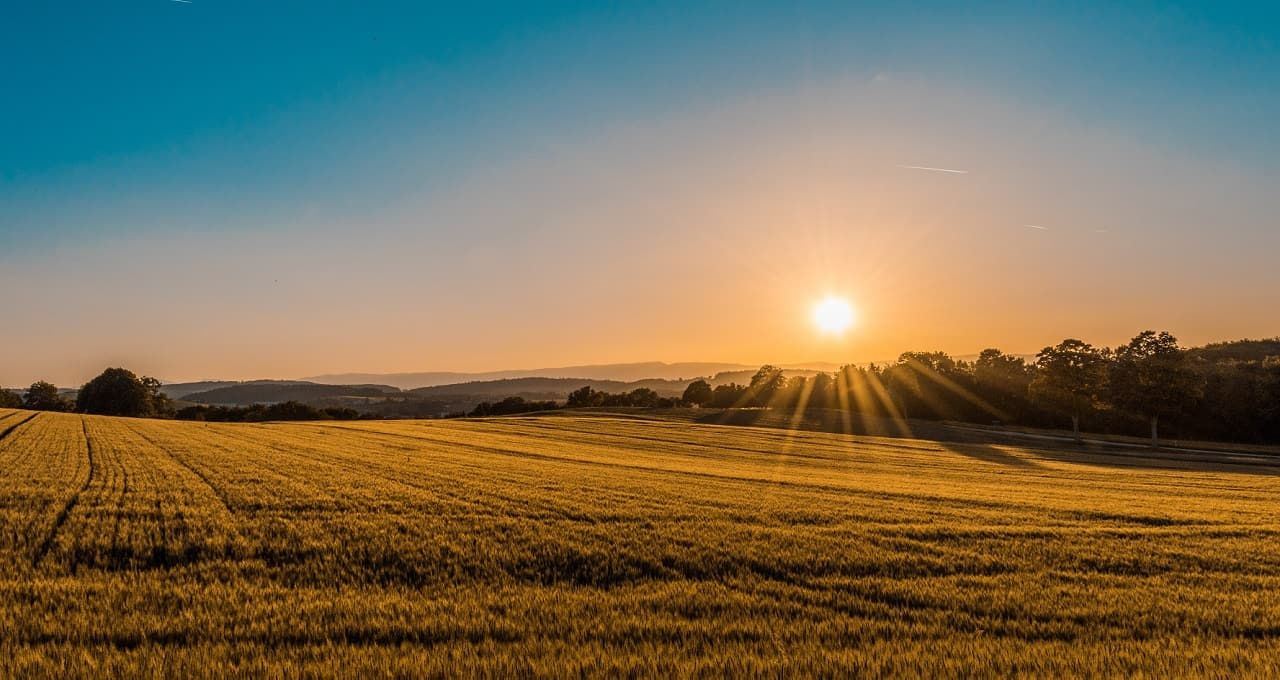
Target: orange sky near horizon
(705, 235)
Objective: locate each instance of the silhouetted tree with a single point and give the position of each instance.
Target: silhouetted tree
(731, 395)
(512, 405)
(582, 397)
(291, 410)
(116, 392)
(43, 396)
(1236, 403)
(766, 384)
(161, 405)
(902, 385)
(1152, 378)
(934, 385)
(862, 390)
(1069, 377)
(9, 399)
(822, 393)
(1270, 406)
(938, 362)
(697, 393)
(642, 396)
(196, 412)
(1003, 380)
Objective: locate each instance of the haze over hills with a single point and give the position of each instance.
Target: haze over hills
(264, 391)
(632, 372)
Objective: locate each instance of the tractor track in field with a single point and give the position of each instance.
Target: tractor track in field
(9, 430)
(121, 505)
(61, 519)
(217, 493)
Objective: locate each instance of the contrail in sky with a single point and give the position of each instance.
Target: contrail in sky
(1036, 226)
(925, 167)
(185, 2)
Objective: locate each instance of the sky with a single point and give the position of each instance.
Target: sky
(224, 189)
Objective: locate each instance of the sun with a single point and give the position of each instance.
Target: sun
(833, 315)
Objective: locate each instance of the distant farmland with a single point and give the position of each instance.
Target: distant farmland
(599, 545)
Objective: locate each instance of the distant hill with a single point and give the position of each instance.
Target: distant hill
(544, 388)
(181, 390)
(267, 392)
(617, 372)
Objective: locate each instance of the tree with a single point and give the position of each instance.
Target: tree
(902, 385)
(731, 395)
(1151, 377)
(511, 405)
(1069, 377)
(933, 385)
(822, 391)
(1002, 380)
(642, 396)
(43, 396)
(9, 399)
(1270, 411)
(937, 362)
(161, 405)
(292, 410)
(697, 393)
(765, 384)
(583, 396)
(117, 392)
(862, 390)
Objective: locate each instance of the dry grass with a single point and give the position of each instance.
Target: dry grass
(609, 546)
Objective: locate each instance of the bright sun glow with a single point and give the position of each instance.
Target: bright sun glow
(833, 315)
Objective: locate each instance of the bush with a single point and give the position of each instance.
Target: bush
(9, 399)
(512, 405)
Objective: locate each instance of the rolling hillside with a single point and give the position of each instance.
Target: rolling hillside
(563, 546)
(546, 388)
(266, 392)
(631, 372)
(622, 373)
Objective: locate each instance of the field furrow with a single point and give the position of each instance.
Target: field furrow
(47, 467)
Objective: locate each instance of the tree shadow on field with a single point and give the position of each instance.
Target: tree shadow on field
(983, 444)
(1160, 459)
(990, 454)
(828, 420)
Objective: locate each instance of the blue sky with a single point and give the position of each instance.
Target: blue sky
(171, 104)
(136, 121)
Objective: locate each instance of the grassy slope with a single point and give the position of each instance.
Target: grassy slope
(565, 545)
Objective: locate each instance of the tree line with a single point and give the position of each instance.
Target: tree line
(256, 413)
(1136, 388)
(1143, 387)
(120, 392)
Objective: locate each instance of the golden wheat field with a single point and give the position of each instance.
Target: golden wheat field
(610, 546)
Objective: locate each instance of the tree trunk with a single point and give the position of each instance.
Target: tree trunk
(1075, 428)
(1155, 432)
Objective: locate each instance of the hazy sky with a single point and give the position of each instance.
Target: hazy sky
(275, 189)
